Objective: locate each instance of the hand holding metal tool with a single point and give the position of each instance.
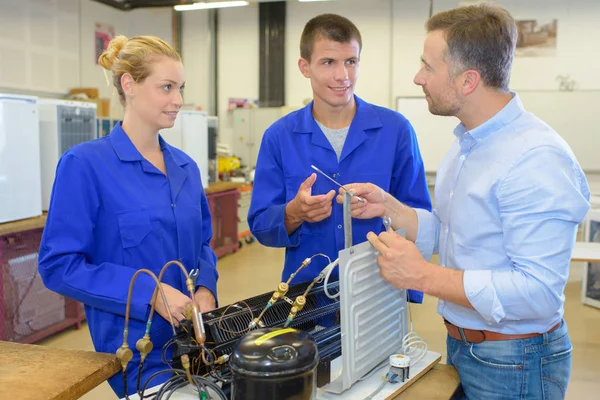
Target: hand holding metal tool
(387, 222)
(337, 183)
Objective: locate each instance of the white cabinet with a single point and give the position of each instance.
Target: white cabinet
(20, 180)
(190, 134)
(249, 125)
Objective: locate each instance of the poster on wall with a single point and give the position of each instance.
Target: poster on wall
(551, 36)
(536, 38)
(102, 36)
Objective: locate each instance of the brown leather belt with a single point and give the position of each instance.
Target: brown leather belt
(474, 336)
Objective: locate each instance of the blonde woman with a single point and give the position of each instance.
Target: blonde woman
(129, 201)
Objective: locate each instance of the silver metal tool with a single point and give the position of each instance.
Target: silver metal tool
(387, 222)
(347, 220)
(337, 183)
(193, 274)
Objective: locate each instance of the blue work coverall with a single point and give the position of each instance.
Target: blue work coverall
(112, 213)
(381, 148)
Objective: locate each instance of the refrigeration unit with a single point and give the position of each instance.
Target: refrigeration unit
(63, 124)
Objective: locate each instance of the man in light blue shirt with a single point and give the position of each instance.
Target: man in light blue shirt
(509, 196)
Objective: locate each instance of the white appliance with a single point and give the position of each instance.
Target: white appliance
(190, 134)
(63, 124)
(20, 185)
(249, 126)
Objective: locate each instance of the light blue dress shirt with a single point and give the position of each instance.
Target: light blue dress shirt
(509, 196)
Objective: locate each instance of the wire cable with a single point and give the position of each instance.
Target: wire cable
(379, 389)
(179, 381)
(413, 345)
(329, 269)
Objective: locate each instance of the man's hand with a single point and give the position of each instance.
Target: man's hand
(204, 299)
(374, 196)
(402, 265)
(177, 302)
(379, 204)
(306, 207)
(400, 262)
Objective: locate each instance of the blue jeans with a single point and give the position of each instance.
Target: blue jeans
(535, 368)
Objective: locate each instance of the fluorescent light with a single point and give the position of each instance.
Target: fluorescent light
(306, 1)
(205, 6)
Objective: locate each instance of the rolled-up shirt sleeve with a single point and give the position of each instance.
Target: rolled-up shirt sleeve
(428, 232)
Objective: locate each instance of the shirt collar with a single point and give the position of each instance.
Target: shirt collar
(505, 116)
(127, 152)
(364, 118)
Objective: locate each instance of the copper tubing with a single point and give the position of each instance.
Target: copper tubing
(198, 330)
(128, 306)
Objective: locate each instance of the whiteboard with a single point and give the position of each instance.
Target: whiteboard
(434, 133)
(574, 115)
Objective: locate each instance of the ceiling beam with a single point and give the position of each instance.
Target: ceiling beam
(133, 4)
(115, 4)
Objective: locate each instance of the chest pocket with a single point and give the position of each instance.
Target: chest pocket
(134, 227)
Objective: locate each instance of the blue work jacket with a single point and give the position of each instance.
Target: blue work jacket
(381, 148)
(112, 213)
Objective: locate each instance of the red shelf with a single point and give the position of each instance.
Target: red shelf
(224, 212)
(29, 312)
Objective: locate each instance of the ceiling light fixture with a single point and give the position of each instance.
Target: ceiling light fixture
(208, 5)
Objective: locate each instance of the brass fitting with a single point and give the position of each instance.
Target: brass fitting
(281, 291)
(124, 354)
(190, 284)
(144, 346)
(283, 288)
(185, 361)
(188, 311)
(299, 303)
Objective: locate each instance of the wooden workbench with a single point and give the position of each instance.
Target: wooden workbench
(22, 225)
(45, 373)
(30, 372)
(438, 383)
(224, 186)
